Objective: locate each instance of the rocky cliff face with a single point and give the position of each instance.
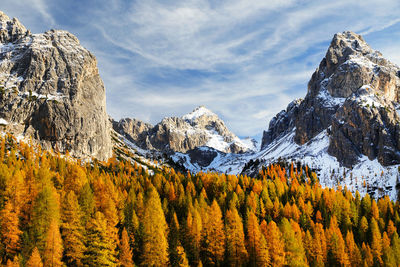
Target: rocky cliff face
(50, 89)
(354, 95)
(196, 129)
(282, 123)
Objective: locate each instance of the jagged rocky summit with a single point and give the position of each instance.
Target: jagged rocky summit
(354, 96)
(200, 128)
(50, 89)
(346, 127)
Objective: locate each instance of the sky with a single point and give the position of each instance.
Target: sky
(243, 59)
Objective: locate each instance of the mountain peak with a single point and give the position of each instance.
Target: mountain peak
(3, 16)
(10, 29)
(352, 40)
(198, 112)
(349, 64)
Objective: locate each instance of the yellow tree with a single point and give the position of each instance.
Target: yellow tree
(213, 237)
(9, 230)
(34, 260)
(193, 235)
(236, 251)
(100, 247)
(14, 263)
(75, 178)
(155, 242)
(256, 244)
(46, 210)
(319, 250)
(376, 244)
(391, 229)
(367, 255)
(336, 244)
(72, 230)
(125, 255)
(352, 250)
(54, 249)
(276, 245)
(374, 210)
(183, 261)
(295, 255)
(388, 256)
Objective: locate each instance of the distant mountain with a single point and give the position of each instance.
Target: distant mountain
(347, 126)
(200, 128)
(50, 89)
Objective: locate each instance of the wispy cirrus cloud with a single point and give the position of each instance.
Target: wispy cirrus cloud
(245, 60)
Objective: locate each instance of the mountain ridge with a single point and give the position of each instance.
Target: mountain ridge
(199, 128)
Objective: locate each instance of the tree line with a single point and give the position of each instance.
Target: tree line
(58, 211)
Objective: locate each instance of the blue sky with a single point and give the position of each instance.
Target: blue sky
(243, 59)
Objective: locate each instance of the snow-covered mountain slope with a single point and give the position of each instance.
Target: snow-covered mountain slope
(366, 176)
(379, 180)
(199, 128)
(347, 127)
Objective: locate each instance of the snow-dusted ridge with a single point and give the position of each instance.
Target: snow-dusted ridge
(315, 154)
(197, 113)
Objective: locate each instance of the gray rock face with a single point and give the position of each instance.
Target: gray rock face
(11, 30)
(202, 156)
(199, 128)
(366, 124)
(133, 129)
(282, 123)
(354, 93)
(50, 89)
(348, 65)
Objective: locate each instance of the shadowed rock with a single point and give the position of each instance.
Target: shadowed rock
(354, 93)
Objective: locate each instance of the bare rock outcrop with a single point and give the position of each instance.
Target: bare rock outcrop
(282, 123)
(367, 124)
(348, 65)
(50, 89)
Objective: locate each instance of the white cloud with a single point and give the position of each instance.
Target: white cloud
(256, 56)
(196, 35)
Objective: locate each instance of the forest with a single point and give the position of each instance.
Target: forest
(60, 211)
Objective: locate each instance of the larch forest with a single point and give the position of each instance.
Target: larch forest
(55, 211)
